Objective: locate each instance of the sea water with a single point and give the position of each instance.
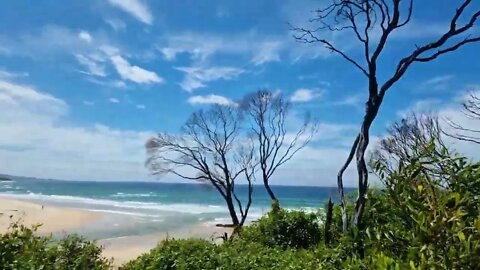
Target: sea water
(135, 208)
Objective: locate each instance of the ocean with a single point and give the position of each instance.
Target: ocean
(136, 208)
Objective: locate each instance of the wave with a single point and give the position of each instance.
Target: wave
(84, 202)
(132, 195)
(158, 217)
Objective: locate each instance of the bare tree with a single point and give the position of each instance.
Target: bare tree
(408, 138)
(209, 149)
(267, 113)
(471, 109)
(365, 19)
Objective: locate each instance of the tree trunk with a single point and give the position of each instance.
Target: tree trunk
(364, 138)
(269, 190)
(231, 209)
(343, 202)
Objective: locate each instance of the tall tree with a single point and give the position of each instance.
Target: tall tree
(267, 113)
(209, 149)
(367, 20)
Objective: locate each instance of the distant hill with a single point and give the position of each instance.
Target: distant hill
(5, 178)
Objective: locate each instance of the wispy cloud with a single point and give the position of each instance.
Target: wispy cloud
(116, 24)
(202, 46)
(94, 67)
(437, 83)
(141, 107)
(196, 77)
(134, 73)
(305, 95)
(354, 100)
(113, 100)
(136, 8)
(10, 75)
(211, 99)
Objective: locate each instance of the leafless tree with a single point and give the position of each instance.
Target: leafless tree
(209, 149)
(408, 138)
(373, 22)
(267, 112)
(471, 109)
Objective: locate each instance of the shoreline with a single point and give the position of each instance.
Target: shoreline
(64, 220)
(29, 214)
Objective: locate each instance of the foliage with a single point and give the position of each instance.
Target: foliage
(286, 229)
(201, 254)
(21, 248)
(426, 215)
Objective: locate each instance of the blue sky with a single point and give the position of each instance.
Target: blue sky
(83, 84)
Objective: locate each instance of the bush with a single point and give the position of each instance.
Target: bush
(285, 229)
(21, 248)
(201, 254)
(178, 254)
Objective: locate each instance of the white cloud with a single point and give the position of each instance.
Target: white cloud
(141, 107)
(88, 103)
(94, 68)
(305, 95)
(134, 73)
(420, 106)
(136, 8)
(34, 141)
(116, 24)
(437, 83)
(85, 36)
(20, 95)
(351, 100)
(113, 100)
(10, 75)
(267, 52)
(201, 46)
(211, 99)
(195, 77)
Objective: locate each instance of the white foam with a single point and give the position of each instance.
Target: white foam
(175, 207)
(132, 195)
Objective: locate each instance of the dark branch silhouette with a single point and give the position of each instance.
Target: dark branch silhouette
(267, 113)
(363, 18)
(408, 138)
(209, 149)
(471, 109)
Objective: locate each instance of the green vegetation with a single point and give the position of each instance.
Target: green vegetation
(21, 248)
(426, 216)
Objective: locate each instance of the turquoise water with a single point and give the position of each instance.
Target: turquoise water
(134, 208)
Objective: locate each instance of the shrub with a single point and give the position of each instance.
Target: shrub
(178, 254)
(21, 248)
(201, 254)
(286, 229)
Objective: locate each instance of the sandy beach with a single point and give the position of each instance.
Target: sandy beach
(121, 249)
(124, 249)
(53, 219)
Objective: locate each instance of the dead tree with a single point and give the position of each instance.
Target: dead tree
(209, 149)
(365, 19)
(408, 138)
(471, 110)
(266, 113)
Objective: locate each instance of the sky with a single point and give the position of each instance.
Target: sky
(84, 84)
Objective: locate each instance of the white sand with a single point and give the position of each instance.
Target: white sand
(121, 249)
(53, 219)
